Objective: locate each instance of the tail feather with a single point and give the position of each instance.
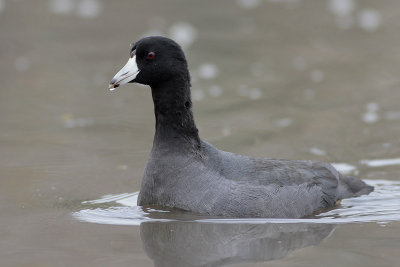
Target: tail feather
(355, 187)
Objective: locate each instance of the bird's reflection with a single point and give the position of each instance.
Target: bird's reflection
(209, 244)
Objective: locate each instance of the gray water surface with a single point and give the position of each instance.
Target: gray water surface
(177, 238)
(296, 79)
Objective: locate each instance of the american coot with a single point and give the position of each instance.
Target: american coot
(187, 173)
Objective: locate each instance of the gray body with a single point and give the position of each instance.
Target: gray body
(220, 183)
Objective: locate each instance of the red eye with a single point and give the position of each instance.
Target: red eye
(151, 55)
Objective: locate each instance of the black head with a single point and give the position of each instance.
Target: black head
(153, 60)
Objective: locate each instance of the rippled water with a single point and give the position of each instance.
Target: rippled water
(176, 238)
(381, 206)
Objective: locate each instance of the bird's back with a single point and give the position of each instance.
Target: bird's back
(221, 183)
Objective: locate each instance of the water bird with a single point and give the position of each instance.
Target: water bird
(187, 173)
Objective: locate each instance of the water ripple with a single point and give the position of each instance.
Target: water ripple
(381, 206)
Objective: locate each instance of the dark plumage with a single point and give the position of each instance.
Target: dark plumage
(187, 173)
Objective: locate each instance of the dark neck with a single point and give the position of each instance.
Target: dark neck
(175, 126)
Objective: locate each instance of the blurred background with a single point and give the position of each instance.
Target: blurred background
(297, 79)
